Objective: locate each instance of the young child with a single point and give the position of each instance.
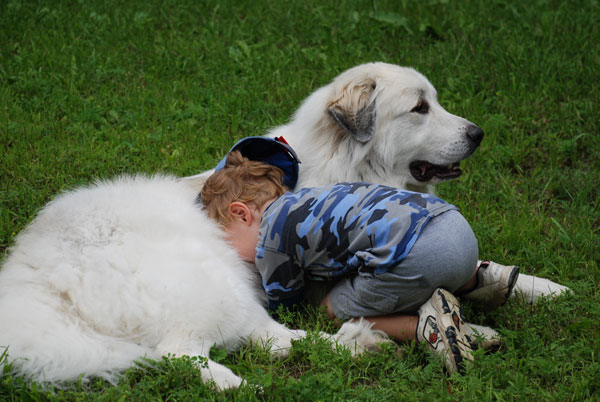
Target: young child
(395, 256)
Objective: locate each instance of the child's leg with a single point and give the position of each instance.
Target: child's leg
(470, 284)
(444, 256)
(401, 327)
(439, 324)
(448, 247)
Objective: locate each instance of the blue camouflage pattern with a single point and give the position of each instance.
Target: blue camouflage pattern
(330, 232)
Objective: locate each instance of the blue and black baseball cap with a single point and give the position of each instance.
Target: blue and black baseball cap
(272, 151)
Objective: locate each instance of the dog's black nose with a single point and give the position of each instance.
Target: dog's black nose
(475, 133)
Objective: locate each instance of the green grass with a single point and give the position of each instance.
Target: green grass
(97, 88)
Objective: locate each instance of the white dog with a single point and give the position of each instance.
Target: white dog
(382, 123)
(126, 269)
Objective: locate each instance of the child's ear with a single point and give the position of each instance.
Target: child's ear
(240, 212)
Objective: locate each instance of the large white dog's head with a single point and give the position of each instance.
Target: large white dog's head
(389, 119)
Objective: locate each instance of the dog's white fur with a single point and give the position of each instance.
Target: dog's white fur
(392, 139)
(363, 127)
(111, 273)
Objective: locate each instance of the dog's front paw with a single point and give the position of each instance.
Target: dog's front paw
(359, 336)
(280, 345)
(531, 288)
(222, 377)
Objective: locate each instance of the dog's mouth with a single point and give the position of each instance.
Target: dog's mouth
(424, 171)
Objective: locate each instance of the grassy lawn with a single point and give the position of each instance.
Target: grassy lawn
(93, 89)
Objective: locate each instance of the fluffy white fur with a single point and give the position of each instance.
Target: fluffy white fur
(111, 273)
(364, 126)
(396, 136)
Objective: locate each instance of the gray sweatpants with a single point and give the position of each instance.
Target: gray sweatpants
(444, 255)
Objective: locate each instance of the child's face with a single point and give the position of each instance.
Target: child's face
(242, 232)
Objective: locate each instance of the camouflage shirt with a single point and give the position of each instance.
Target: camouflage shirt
(330, 232)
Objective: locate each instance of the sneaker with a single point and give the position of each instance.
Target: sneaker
(495, 283)
(442, 327)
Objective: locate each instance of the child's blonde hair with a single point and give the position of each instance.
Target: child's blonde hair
(242, 180)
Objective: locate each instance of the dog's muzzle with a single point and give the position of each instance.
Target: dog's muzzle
(424, 171)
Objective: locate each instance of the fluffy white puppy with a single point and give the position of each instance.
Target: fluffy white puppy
(126, 269)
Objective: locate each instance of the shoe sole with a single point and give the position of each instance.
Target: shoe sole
(456, 342)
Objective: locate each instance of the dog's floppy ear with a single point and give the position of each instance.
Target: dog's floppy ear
(354, 109)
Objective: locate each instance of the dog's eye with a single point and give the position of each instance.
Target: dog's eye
(421, 108)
